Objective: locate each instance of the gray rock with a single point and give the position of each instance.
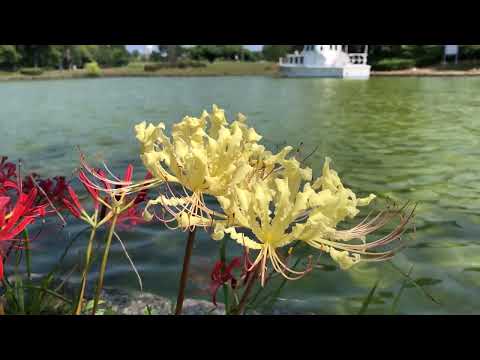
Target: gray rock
(123, 302)
(200, 307)
(135, 303)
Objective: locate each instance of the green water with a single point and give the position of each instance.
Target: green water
(408, 139)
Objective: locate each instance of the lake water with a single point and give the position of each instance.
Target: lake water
(406, 138)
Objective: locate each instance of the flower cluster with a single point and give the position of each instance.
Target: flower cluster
(269, 201)
(22, 201)
(116, 198)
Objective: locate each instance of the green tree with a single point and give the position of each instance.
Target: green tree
(83, 54)
(135, 55)
(275, 52)
(112, 55)
(40, 55)
(174, 52)
(9, 57)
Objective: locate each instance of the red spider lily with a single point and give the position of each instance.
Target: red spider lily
(53, 189)
(131, 218)
(23, 214)
(8, 174)
(131, 214)
(8, 170)
(73, 205)
(220, 276)
(14, 221)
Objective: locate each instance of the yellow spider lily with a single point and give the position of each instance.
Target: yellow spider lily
(278, 212)
(204, 156)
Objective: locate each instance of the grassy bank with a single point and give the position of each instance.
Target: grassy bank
(137, 69)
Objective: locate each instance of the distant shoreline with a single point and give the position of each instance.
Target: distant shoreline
(220, 69)
(427, 73)
(137, 70)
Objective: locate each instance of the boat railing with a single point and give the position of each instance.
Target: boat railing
(295, 59)
(358, 59)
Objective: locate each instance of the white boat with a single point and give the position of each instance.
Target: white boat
(328, 61)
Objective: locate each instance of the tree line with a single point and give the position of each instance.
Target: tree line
(13, 57)
(418, 55)
(210, 53)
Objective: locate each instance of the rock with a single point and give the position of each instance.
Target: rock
(200, 307)
(125, 302)
(135, 303)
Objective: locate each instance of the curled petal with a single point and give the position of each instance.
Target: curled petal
(73, 210)
(90, 187)
(128, 174)
(74, 198)
(243, 240)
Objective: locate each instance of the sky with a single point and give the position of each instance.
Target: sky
(141, 47)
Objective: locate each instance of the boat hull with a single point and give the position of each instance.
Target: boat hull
(360, 72)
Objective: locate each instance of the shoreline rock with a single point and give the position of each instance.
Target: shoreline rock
(124, 302)
(117, 301)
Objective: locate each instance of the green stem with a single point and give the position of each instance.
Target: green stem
(19, 291)
(88, 256)
(223, 259)
(276, 293)
(28, 256)
(248, 290)
(184, 277)
(104, 263)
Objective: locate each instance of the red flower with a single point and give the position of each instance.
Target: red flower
(52, 190)
(220, 277)
(73, 205)
(99, 182)
(8, 174)
(14, 221)
(130, 218)
(8, 170)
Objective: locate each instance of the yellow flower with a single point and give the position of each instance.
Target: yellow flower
(205, 155)
(278, 212)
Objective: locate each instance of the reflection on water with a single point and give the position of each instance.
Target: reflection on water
(404, 139)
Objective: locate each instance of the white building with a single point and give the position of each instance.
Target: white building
(333, 61)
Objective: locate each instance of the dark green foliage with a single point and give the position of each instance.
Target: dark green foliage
(9, 57)
(394, 64)
(386, 57)
(212, 53)
(62, 56)
(112, 55)
(82, 54)
(31, 71)
(157, 57)
(275, 52)
(205, 52)
(135, 54)
(426, 55)
(470, 52)
(181, 65)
